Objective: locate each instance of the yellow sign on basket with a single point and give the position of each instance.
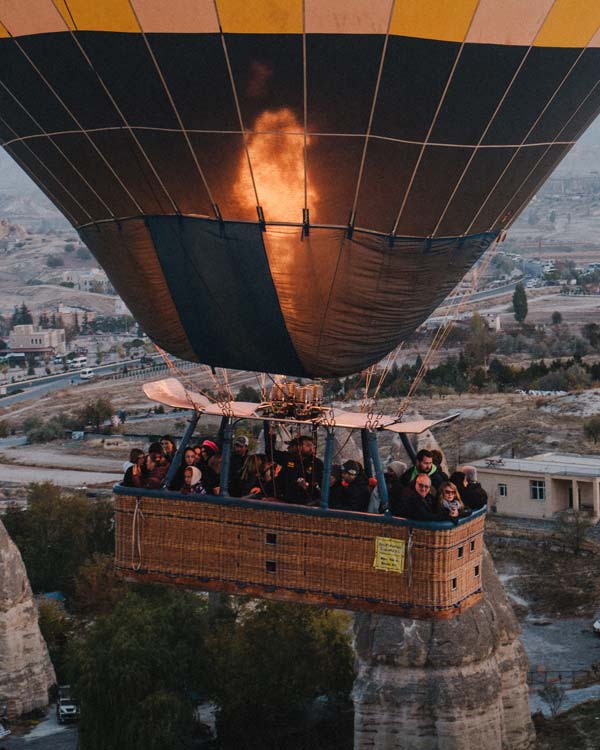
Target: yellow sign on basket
(389, 554)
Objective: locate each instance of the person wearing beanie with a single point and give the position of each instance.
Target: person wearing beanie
(239, 454)
(355, 492)
(210, 479)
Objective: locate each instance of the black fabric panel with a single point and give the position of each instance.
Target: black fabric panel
(568, 98)
(31, 91)
(122, 152)
(438, 173)
(413, 79)
(128, 72)
(493, 213)
(225, 166)
(537, 81)
(535, 180)
(267, 71)
(341, 79)
(13, 118)
(66, 69)
(480, 79)
(585, 116)
(56, 160)
(86, 159)
(196, 73)
(333, 167)
(173, 160)
(223, 291)
(480, 178)
(45, 179)
(388, 168)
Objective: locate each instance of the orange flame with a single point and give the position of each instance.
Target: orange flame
(276, 152)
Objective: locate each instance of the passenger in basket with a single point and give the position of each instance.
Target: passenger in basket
(157, 467)
(474, 496)
(302, 475)
(423, 465)
(418, 504)
(210, 478)
(256, 479)
(189, 459)
(191, 481)
(238, 458)
(449, 502)
(355, 491)
(169, 447)
(134, 476)
(392, 474)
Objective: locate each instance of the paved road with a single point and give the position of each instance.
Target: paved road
(60, 477)
(47, 735)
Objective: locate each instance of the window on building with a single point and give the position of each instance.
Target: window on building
(537, 489)
(502, 490)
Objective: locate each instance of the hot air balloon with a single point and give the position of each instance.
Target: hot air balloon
(292, 185)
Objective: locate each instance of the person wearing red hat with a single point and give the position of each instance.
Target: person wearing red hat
(210, 479)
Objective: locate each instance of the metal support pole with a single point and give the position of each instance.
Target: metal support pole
(408, 446)
(178, 457)
(226, 456)
(366, 451)
(381, 485)
(327, 461)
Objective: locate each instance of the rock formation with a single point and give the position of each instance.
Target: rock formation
(26, 672)
(455, 684)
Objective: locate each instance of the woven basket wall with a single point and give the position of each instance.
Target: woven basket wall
(272, 552)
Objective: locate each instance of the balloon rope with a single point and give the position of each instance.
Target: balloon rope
(446, 326)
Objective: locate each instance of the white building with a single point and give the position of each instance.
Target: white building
(540, 486)
(28, 337)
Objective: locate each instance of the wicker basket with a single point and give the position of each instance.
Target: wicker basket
(349, 560)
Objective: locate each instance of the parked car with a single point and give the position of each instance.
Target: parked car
(67, 709)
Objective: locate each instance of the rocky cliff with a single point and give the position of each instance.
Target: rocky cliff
(26, 672)
(443, 685)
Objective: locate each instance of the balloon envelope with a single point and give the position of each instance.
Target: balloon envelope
(292, 185)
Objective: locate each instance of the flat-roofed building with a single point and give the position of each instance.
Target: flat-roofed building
(542, 485)
(28, 337)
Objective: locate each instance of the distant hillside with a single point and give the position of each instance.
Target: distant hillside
(21, 200)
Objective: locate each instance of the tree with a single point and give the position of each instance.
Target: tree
(553, 695)
(96, 413)
(571, 529)
(557, 318)
(56, 630)
(83, 253)
(481, 342)
(69, 247)
(135, 671)
(591, 332)
(97, 588)
(519, 301)
(591, 428)
(248, 393)
(270, 664)
(56, 533)
(54, 261)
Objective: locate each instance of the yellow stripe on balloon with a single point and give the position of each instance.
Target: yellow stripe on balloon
(445, 20)
(570, 23)
(107, 15)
